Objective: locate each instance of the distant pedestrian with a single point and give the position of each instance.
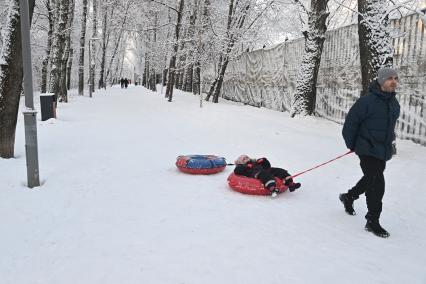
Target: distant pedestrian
(126, 83)
(122, 82)
(369, 130)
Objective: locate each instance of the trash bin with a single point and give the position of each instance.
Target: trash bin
(47, 106)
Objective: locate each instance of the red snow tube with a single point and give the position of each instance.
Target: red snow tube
(252, 186)
(201, 164)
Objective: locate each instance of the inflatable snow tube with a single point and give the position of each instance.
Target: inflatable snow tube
(252, 186)
(201, 164)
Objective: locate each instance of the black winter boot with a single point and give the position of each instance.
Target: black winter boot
(293, 186)
(374, 227)
(348, 202)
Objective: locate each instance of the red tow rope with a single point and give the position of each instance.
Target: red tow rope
(320, 165)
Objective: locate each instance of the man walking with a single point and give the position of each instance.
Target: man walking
(369, 130)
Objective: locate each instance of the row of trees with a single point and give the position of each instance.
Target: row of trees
(207, 32)
(172, 41)
(62, 32)
(203, 32)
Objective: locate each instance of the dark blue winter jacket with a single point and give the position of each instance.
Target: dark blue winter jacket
(369, 128)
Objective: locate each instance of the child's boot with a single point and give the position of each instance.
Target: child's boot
(293, 186)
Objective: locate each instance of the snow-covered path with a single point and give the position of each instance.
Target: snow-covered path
(114, 209)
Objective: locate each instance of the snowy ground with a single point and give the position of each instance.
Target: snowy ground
(113, 208)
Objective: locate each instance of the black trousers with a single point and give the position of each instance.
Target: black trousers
(271, 174)
(372, 184)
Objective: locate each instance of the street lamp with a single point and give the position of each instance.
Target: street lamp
(91, 65)
(30, 115)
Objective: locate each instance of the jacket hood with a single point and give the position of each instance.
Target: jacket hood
(374, 88)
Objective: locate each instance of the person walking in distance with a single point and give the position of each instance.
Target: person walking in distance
(369, 130)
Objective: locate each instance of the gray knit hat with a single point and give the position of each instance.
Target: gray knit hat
(385, 73)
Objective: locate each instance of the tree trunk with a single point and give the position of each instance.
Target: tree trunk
(152, 73)
(305, 95)
(212, 87)
(228, 45)
(82, 47)
(93, 47)
(102, 83)
(214, 83)
(181, 61)
(374, 39)
(164, 79)
(165, 70)
(114, 53)
(219, 83)
(196, 82)
(189, 78)
(232, 36)
(66, 54)
(196, 88)
(171, 78)
(69, 68)
(172, 65)
(59, 41)
(123, 55)
(46, 59)
(189, 70)
(11, 76)
(145, 72)
(147, 69)
(153, 81)
(179, 80)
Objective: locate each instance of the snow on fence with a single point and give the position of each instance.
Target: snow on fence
(267, 77)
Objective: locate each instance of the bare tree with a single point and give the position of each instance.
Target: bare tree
(374, 39)
(149, 75)
(59, 42)
(237, 26)
(82, 48)
(93, 49)
(11, 78)
(65, 61)
(105, 38)
(305, 95)
(189, 70)
(202, 27)
(118, 38)
(46, 60)
(235, 19)
(172, 64)
(153, 73)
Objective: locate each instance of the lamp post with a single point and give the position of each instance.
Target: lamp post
(30, 115)
(91, 65)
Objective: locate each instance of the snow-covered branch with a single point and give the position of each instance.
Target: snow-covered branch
(164, 4)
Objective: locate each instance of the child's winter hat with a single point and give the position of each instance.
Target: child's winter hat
(385, 73)
(242, 159)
